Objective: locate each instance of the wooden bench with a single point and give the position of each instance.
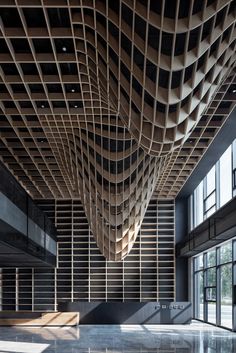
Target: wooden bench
(46, 319)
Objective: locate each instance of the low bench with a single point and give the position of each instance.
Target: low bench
(11, 318)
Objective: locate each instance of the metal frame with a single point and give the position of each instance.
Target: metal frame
(218, 266)
(194, 201)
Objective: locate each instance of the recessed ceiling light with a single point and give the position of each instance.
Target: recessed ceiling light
(234, 90)
(42, 106)
(76, 106)
(73, 90)
(64, 49)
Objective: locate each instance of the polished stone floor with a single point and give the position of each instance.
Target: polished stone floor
(197, 337)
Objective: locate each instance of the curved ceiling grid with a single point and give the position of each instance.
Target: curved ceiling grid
(159, 103)
(101, 100)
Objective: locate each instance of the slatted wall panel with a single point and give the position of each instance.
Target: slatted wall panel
(166, 246)
(25, 284)
(8, 292)
(146, 274)
(44, 289)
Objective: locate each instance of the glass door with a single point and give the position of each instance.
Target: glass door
(199, 296)
(210, 302)
(210, 287)
(226, 285)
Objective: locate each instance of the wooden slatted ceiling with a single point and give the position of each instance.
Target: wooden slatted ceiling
(111, 100)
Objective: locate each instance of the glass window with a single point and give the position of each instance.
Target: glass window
(234, 154)
(211, 277)
(216, 189)
(226, 253)
(210, 201)
(226, 295)
(213, 285)
(211, 258)
(211, 181)
(190, 213)
(234, 167)
(211, 312)
(198, 204)
(211, 294)
(199, 296)
(199, 262)
(210, 193)
(226, 176)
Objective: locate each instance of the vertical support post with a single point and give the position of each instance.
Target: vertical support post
(72, 251)
(1, 291)
(32, 297)
(218, 287)
(195, 292)
(17, 290)
(205, 306)
(234, 286)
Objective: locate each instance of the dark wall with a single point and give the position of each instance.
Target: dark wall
(181, 219)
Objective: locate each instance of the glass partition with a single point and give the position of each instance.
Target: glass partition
(213, 285)
(226, 295)
(199, 300)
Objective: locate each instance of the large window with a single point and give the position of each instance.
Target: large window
(213, 285)
(234, 167)
(216, 189)
(209, 201)
(198, 198)
(225, 165)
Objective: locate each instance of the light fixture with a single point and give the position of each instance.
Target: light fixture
(234, 90)
(42, 106)
(73, 90)
(76, 106)
(64, 49)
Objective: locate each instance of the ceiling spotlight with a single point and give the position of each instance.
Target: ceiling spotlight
(234, 90)
(64, 49)
(73, 90)
(42, 106)
(76, 106)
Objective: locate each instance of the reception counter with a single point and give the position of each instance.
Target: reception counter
(130, 312)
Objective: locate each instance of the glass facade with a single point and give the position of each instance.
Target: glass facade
(213, 274)
(216, 189)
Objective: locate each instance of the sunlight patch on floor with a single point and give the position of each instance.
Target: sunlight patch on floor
(22, 347)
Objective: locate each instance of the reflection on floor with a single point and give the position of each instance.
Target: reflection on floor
(197, 337)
